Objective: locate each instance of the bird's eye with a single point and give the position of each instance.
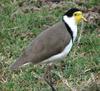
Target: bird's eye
(75, 14)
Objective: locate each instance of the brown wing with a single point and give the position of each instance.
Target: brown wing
(50, 42)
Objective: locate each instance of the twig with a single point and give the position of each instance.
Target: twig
(80, 34)
(13, 28)
(93, 69)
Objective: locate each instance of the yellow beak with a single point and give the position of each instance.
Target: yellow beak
(84, 18)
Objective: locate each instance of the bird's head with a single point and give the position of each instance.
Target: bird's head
(76, 13)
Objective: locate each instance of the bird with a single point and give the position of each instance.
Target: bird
(54, 43)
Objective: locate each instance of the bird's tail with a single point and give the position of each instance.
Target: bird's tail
(19, 62)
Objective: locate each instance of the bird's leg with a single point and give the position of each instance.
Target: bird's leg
(48, 77)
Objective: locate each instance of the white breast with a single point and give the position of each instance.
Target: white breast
(72, 24)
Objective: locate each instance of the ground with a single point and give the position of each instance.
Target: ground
(20, 21)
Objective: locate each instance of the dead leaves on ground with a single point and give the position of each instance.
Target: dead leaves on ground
(23, 7)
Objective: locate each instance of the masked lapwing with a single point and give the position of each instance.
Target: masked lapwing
(54, 43)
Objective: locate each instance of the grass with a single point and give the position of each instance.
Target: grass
(17, 31)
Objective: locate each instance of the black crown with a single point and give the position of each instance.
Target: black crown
(70, 12)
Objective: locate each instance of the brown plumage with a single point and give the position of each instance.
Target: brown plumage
(48, 43)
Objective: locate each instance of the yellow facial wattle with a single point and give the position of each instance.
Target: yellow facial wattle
(79, 16)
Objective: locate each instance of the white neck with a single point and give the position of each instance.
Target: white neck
(72, 24)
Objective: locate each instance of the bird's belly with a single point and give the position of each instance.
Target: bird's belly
(61, 55)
